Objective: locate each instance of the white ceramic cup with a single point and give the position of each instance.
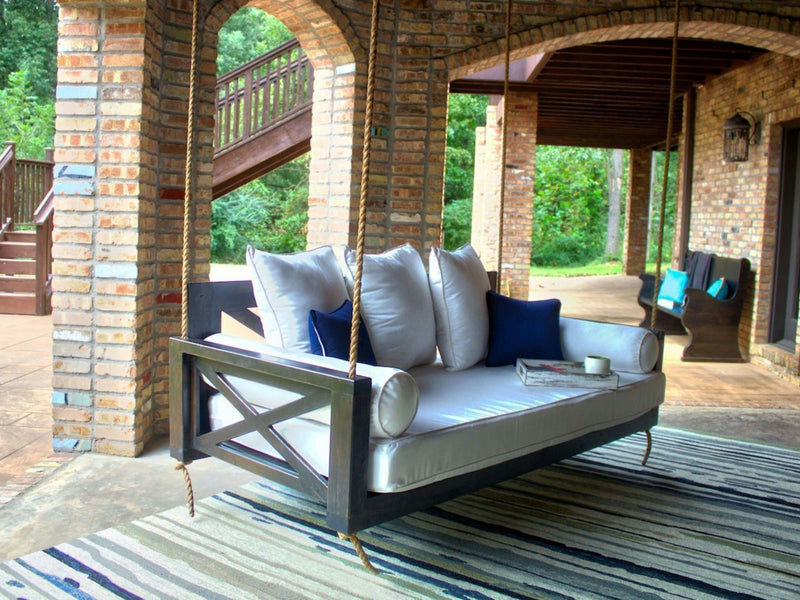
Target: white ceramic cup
(597, 365)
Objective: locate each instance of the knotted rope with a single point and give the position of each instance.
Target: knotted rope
(188, 186)
(665, 178)
(362, 227)
(503, 151)
(362, 201)
(353, 538)
(189, 173)
(189, 489)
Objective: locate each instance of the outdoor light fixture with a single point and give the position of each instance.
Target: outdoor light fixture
(737, 136)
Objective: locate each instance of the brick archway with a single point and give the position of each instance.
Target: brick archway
(753, 184)
(742, 27)
(322, 31)
(120, 151)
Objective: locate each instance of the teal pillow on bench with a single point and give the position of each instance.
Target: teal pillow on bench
(719, 290)
(673, 288)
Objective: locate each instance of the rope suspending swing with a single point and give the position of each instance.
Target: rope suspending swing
(504, 148)
(667, 152)
(664, 181)
(361, 232)
(188, 204)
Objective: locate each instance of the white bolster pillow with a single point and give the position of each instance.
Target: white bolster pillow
(631, 349)
(394, 397)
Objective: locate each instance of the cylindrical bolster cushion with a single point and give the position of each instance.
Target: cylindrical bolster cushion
(631, 349)
(394, 398)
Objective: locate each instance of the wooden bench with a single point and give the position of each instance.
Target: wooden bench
(713, 325)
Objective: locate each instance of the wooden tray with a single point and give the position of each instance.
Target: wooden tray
(562, 373)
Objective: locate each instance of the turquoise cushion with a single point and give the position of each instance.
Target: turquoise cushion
(719, 290)
(329, 335)
(673, 287)
(520, 329)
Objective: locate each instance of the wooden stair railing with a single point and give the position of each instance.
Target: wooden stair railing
(7, 185)
(260, 94)
(34, 179)
(263, 117)
(26, 233)
(43, 219)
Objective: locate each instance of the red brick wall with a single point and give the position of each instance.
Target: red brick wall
(120, 147)
(734, 205)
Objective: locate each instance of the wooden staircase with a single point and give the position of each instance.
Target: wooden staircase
(26, 234)
(263, 116)
(18, 272)
(263, 121)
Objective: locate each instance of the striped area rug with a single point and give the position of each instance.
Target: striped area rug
(706, 518)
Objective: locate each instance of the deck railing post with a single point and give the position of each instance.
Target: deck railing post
(9, 182)
(257, 95)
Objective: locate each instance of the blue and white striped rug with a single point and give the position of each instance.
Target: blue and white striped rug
(706, 518)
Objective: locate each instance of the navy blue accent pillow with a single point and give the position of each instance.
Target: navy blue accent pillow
(329, 334)
(520, 329)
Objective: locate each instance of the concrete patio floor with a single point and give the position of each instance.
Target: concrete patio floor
(53, 498)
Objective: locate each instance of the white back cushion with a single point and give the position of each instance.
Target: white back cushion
(396, 307)
(394, 396)
(459, 284)
(288, 286)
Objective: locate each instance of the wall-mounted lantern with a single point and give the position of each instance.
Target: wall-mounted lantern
(737, 136)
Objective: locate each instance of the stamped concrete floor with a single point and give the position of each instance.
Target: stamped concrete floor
(54, 498)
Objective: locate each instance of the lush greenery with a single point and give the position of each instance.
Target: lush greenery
(596, 268)
(270, 214)
(655, 204)
(570, 206)
(248, 34)
(465, 113)
(28, 30)
(26, 119)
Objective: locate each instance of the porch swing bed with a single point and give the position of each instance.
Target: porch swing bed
(376, 439)
(299, 419)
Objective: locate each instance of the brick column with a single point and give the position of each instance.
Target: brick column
(518, 214)
(518, 211)
(637, 205)
(103, 206)
(485, 198)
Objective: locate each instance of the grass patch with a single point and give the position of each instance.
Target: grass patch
(600, 268)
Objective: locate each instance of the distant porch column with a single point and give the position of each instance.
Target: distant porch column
(518, 210)
(634, 254)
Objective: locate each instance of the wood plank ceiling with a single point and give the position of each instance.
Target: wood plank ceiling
(612, 94)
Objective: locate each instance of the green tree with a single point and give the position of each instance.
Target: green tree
(269, 213)
(466, 112)
(570, 206)
(655, 203)
(24, 118)
(29, 32)
(248, 34)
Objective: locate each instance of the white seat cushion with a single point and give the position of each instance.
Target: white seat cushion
(396, 307)
(472, 419)
(288, 286)
(459, 283)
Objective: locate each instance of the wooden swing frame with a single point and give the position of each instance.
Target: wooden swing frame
(350, 506)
